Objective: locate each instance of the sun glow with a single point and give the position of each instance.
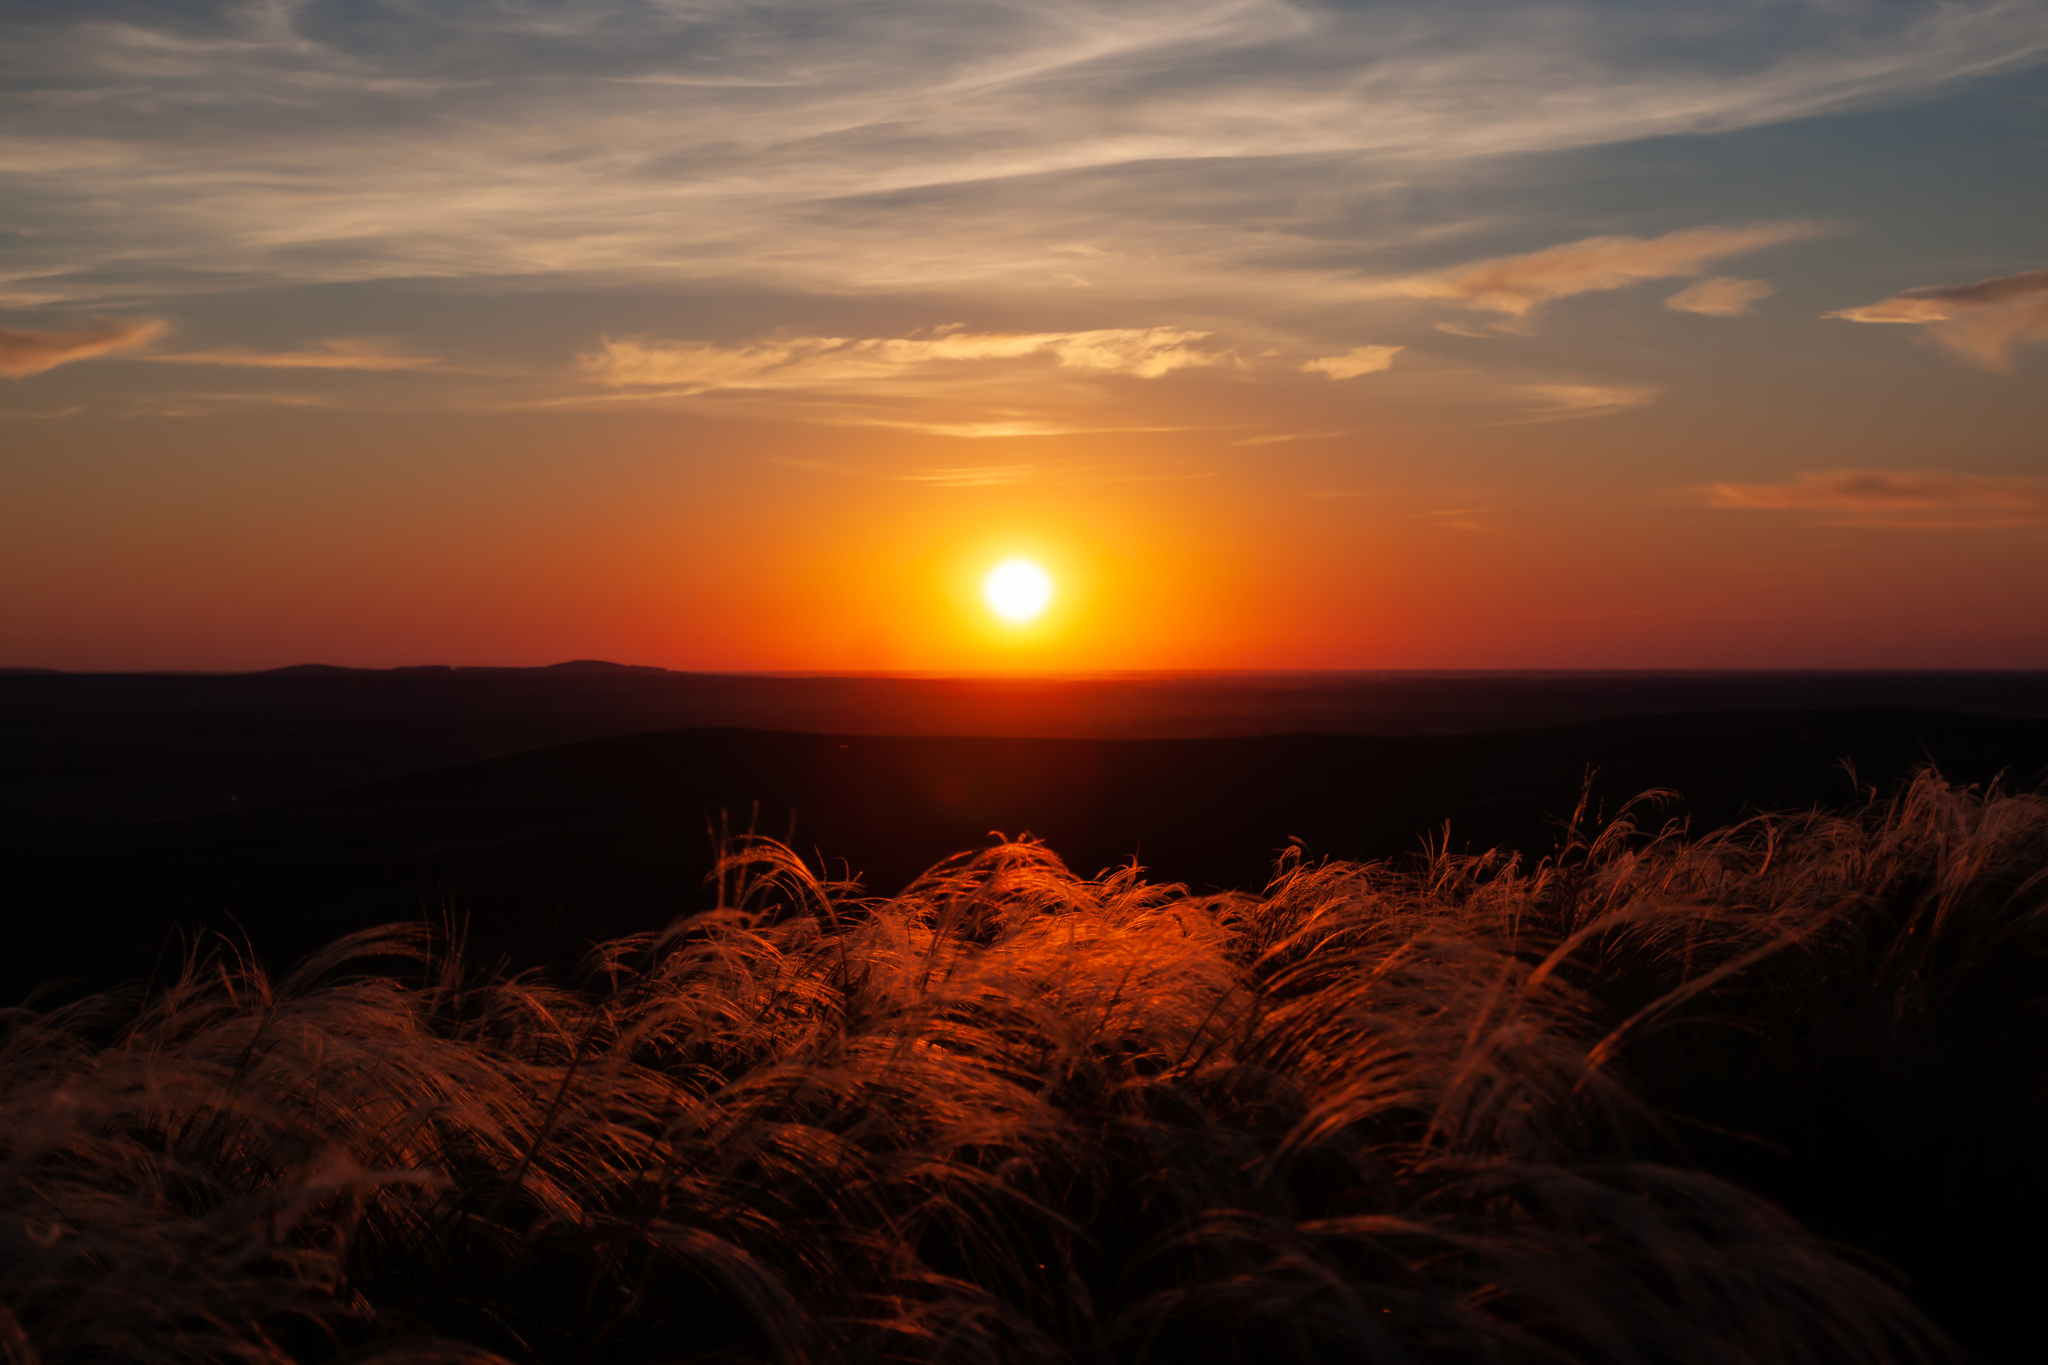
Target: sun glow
(1017, 590)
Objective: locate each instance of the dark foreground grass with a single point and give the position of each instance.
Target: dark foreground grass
(1371, 1113)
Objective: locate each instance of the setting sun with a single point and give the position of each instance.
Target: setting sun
(1017, 590)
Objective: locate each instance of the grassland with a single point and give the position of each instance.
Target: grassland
(1444, 1110)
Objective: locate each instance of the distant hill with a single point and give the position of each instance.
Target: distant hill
(601, 666)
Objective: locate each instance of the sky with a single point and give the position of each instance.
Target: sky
(748, 336)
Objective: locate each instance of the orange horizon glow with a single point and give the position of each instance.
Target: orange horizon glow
(504, 555)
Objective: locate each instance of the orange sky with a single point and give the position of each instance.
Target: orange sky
(1283, 338)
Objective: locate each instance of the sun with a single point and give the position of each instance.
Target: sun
(1017, 590)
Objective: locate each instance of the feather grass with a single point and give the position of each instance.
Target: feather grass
(1368, 1113)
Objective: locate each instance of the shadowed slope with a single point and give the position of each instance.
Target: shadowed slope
(546, 852)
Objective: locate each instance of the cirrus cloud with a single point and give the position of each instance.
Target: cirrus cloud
(834, 362)
(1719, 296)
(1514, 285)
(1557, 400)
(816, 143)
(1917, 500)
(26, 353)
(1981, 322)
(325, 355)
(1355, 362)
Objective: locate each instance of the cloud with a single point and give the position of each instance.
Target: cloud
(994, 476)
(1720, 296)
(1490, 332)
(1916, 500)
(1355, 362)
(975, 476)
(1550, 402)
(26, 353)
(815, 143)
(1459, 518)
(1515, 284)
(998, 429)
(328, 355)
(1278, 437)
(1002, 475)
(835, 362)
(1981, 322)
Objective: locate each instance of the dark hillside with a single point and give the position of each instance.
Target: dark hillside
(82, 749)
(544, 852)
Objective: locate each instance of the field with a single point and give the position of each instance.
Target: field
(1453, 1106)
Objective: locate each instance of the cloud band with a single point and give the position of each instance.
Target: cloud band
(27, 353)
(833, 362)
(1514, 285)
(1921, 500)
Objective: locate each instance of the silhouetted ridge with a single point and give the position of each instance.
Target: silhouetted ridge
(601, 666)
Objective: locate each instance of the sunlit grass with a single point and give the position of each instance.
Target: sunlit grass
(1369, 1113)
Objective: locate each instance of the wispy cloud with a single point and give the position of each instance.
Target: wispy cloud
(1460, 518)
(1930, 500)
(1555, 401)
(861, 146)
(1982, 322)
(1492, 332)
(838, 362)
(27, 353)
(1003, 475)
(974, 476)
(1515, 284)
(996, 428)
(995, 476)
(208, 404)
(325, 355)
(1720, 296)
(1282, 437)
(1354, 362)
